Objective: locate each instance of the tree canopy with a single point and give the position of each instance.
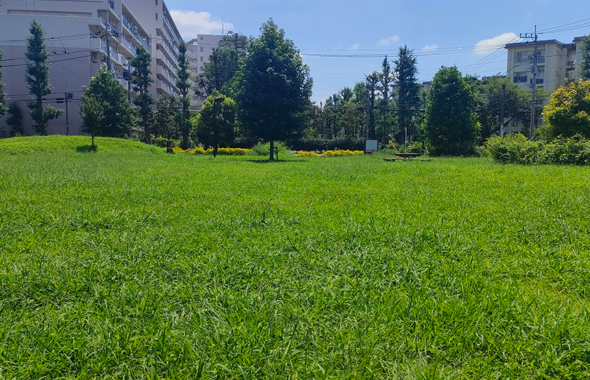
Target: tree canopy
(141, 80)
(568, 111)
(184, 84)
(273, 87)
(225, 121)
(585, 64)
(3, 107)
(451, 125)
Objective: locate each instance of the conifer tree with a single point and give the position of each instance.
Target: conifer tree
(142, 80)
(15, 119)
(37, 77)
(184, 84)
(408, 91)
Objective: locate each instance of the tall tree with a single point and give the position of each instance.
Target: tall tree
(372, 81)
(274, 87)
(386, 79)
(408, 91)
(568, 110)
(3, 107)
(222, 130)
(184, 85)
(37, 77)
(119, 116)
(92, 112)
(451, 123)
(15, 119)
(142, 80)
(166, 121)
(585, 64)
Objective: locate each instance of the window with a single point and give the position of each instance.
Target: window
(156, 2)
(156, 17)
(520, 78)
(201, 59)
(201, 49)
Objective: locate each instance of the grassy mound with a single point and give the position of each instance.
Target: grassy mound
(81, 144)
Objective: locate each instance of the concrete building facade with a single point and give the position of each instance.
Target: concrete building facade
(76, 36)
(200, 50)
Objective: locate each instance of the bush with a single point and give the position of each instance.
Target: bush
(220, 151)
(518, 149)
(416, 147)
(307, 154)
(162, 142)
(340, 143)
(263, 149)
(337, 153)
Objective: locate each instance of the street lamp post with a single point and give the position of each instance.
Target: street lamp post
(217, 100)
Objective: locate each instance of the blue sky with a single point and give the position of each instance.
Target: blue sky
(465, 33)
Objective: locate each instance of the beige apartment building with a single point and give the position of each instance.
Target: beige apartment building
(76, 36)
(557, 63)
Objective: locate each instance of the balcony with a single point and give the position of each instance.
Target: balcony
(163, 73)
(169, 25)
(162, 86)
(135, 33)
(127, 45)
(162, 57)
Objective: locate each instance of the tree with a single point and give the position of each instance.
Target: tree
(225, 121)
(408, 91)
(37, 78)
(92, 111)
(451, 126)
(119, 116)
(386, 79)
(184, 84)
(568, 111)
(15, 119)
(489, 93)
(142, 80)
(372, 81)
(2, 92)
(585, 64)
(274, 87)
(166, 117)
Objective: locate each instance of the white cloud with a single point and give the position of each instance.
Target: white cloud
(191, 23)
(355, 46)
(485, 47)
(388, 40)
(430, 47)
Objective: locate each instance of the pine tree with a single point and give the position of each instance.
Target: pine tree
(373, 87)
(142, 80)
(2, 92)
(118, 113)
(408, 91)
(273, 87)
(184, 84)
(37, 77)
(585, 64)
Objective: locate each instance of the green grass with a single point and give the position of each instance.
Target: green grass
(79, 144)
(137, 265)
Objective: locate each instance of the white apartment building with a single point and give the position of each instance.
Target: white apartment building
(159, 25)
(76, 38)
(200, 50)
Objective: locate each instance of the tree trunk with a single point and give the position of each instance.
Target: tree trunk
(272, 148)
(92, 140)
(184, 135)
(147, 130)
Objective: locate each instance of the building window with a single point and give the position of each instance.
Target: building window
(201, 68)
(156, 17)
(201, 49)
(156, 2)
(520, 78)
(201, 59)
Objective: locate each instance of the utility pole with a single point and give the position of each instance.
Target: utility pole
(534, 70)
(502, 111)
(67, 95)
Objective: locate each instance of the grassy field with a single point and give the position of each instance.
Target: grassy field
(131, 264)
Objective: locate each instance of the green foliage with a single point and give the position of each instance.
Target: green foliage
(263, 149)
(517, 149)
(488, 91)
(118, 113)
(407, 91)
(142, 80)
(37, 78)
(568, 111)
(183, 83)
(15, 119)
(92, 111)
(451, 126)
(163, 142)
(3, 107)
(584, 46)
(167, 119)
(273, 87)
(225, 121)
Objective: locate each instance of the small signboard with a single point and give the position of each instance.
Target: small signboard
(371, 145)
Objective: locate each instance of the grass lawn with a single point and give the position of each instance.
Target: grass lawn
(130, 263)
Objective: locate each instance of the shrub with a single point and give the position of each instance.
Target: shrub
(416, 147)
(337, 153)
(263, 149)
(312, 144)
(307, 154)
(518, 149)
(162, 142)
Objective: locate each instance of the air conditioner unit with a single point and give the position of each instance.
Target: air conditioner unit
(94, 57)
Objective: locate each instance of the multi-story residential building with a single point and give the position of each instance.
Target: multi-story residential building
(156, 19)
(76, 36)
(200, 50)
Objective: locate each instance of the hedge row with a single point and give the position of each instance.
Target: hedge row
(341, 143)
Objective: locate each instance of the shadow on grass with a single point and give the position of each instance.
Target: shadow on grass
(86, 148)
